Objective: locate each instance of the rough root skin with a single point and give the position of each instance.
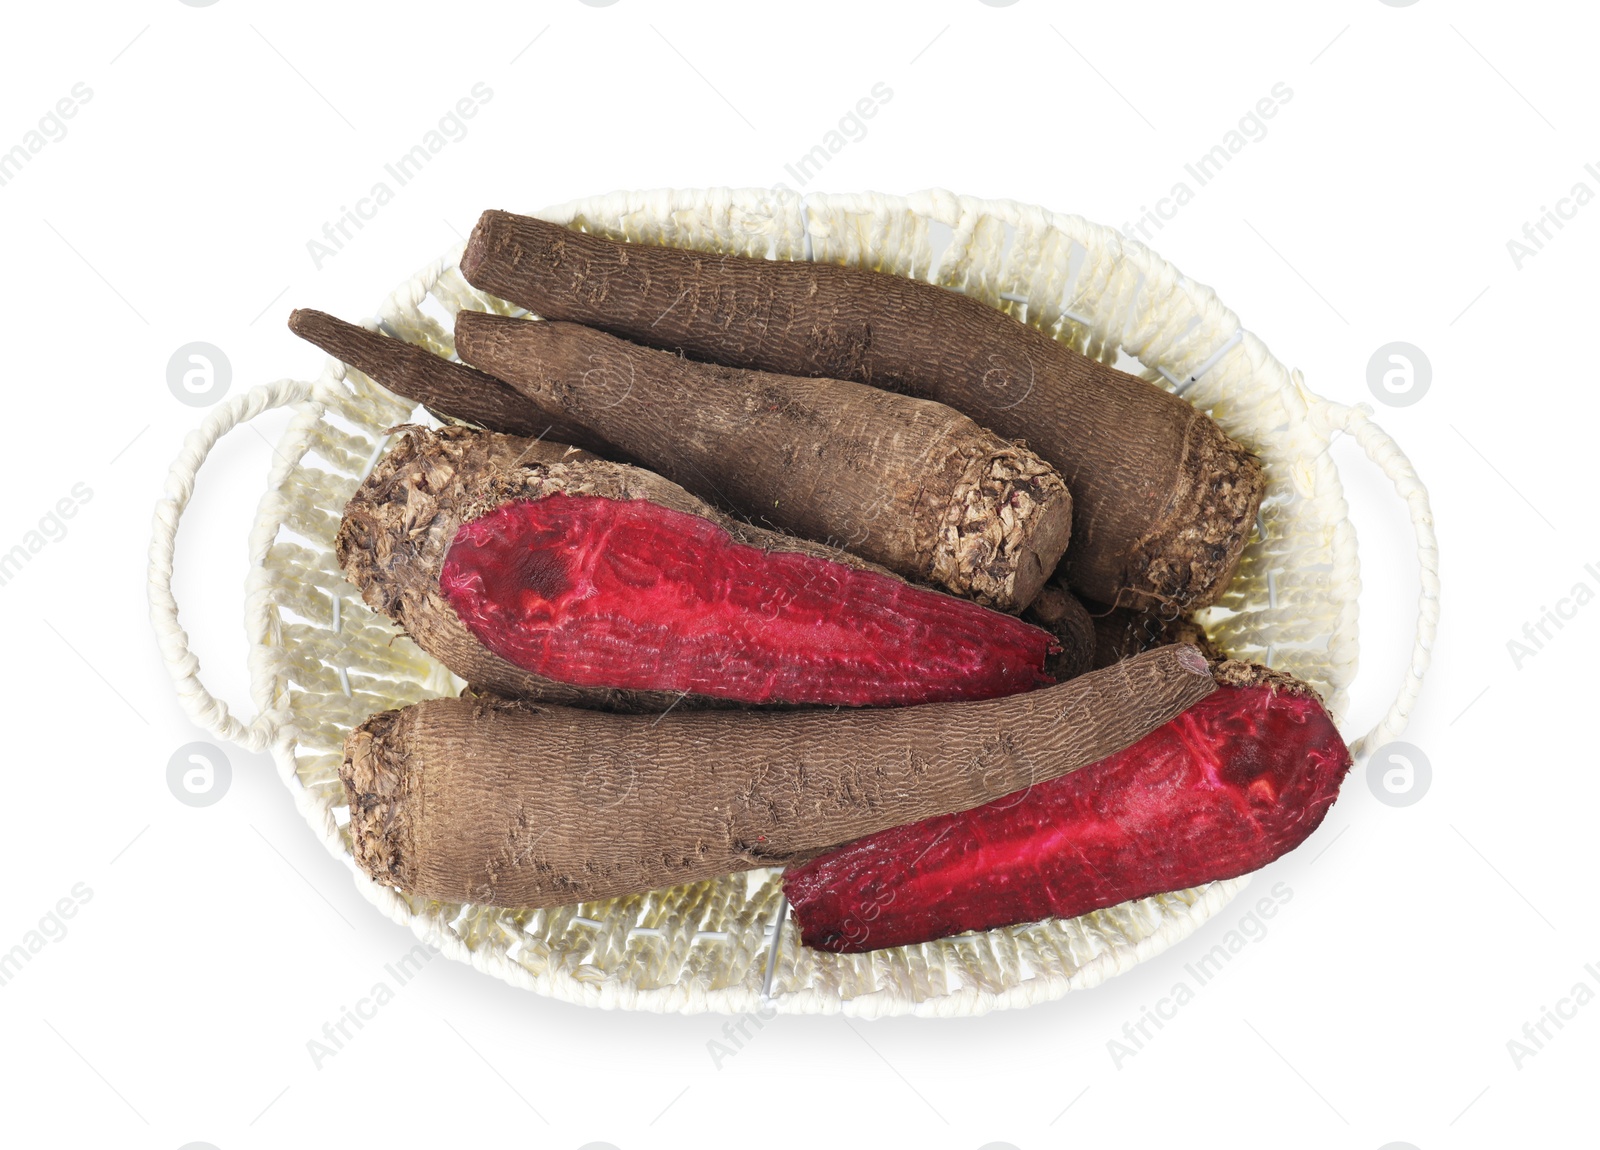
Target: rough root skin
(378, 790)
(1239, 673)
(988, 547)
(397, 527)
(397, 506)
(1189, 557)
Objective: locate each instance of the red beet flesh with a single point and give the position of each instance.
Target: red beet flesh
(629, 594)
(1237, 780)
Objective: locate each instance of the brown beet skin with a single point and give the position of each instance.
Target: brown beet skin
(903, 482)
(448, 390)
(1240, 778)
(1163, 501)
(505, 804)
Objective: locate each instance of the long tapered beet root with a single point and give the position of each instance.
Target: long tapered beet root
(1239, 779)
(530, 806)
(542, 572)
(907, 483)
(1163, 499)
(447, 389)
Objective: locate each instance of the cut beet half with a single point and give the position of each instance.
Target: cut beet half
(630, 594)
(1240, 778)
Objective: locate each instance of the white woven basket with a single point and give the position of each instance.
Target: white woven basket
(320, 662)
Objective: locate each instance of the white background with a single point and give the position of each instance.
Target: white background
(216, 942)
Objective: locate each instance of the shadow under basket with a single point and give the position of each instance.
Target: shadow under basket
(320, 662)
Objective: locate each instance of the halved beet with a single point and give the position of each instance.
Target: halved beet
(1237, 780)
(630, 594)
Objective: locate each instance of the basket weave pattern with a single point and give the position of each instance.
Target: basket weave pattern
(322, 662)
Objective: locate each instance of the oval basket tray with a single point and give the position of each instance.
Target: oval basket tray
(320, 661)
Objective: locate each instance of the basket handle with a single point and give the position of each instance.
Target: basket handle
(1381, 449)
(207, 711)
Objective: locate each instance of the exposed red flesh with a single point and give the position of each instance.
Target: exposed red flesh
(1234, 782)
(629, 594)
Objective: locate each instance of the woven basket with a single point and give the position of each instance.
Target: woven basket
(320, 661)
